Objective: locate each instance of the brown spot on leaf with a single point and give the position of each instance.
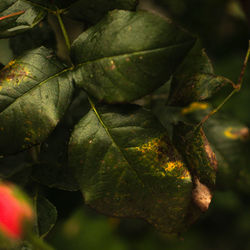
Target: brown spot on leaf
(201, 195)
(13, 73)
(211, 155)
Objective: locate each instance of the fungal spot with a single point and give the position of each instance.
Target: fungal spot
(162, 158)
(211, 155)
(13, 73)
(236, 134)
(141, 57)
(194, 107)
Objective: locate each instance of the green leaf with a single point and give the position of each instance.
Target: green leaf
(34, 94)
(46, 215)
(127, 167)
(195, 79)
(17, 16)
(128, 55)
(93, 11)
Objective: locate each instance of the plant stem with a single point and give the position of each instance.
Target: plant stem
(64, 31)
(237, 88)
(12, 15)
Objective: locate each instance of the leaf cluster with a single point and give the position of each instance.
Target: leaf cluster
(119, 120)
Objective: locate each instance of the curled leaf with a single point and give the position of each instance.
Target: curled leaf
(194, 146)
(195, 79)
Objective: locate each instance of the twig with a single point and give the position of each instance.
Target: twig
(64, 31)
(12, 15)
(237, 88)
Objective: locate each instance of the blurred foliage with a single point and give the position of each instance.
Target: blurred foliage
(224, 32)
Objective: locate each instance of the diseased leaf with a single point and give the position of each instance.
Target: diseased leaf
(228, 140)
(93, 11)
(127, 55)
(195, 79)
(194, 146)
(127, 167)
(17, 16)
(46, 215)
(34, 94)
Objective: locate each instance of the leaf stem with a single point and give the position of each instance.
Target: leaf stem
(64, 31)
(237, 88)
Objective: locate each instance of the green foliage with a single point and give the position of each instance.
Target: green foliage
(117, 118)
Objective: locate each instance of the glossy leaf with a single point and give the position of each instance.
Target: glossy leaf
(127, 55)
(46, 215)
(195, 79)
(17, 16)
(127, 167)
(34, 94)
(93, 11)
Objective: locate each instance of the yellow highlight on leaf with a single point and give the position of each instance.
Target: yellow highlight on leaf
(194, 106)
(171, 165)
(242, 133)
(155, 153)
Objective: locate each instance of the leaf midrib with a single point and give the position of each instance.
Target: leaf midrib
(114, 142)
(92, 61)
(132, 53)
